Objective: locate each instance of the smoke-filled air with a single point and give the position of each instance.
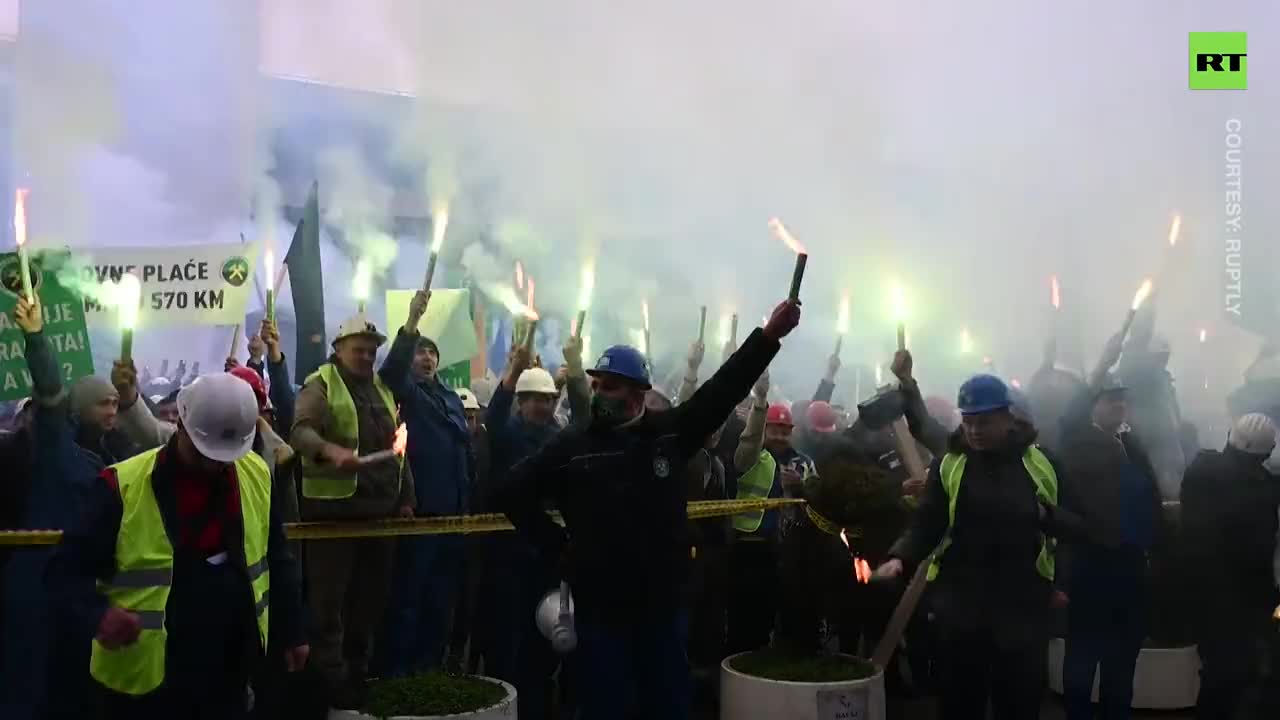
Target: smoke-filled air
(940, 163)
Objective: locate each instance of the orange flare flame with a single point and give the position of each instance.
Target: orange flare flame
(402, 440)
(780, 231)
(1173, 230)
(519, 276)
(529, 301)
(1054, 292)
(862, 569)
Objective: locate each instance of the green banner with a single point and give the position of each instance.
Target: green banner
(457, 375)
(63, 324)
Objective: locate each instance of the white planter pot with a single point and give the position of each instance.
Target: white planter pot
(1164, 678)
(504, 710)
(745, 697)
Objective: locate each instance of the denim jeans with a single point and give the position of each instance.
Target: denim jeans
(638, 659)
(1106, 622)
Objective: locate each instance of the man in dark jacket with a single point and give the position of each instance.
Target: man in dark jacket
(992, 503)
(516, 578)
(1114, 487)
(1229, 523)
(44, 657)
(428, 567)
(167, 567)
(625, 544)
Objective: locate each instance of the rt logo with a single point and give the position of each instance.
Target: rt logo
(1217, 61)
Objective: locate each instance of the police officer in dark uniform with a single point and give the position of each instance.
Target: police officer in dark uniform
(625, 547)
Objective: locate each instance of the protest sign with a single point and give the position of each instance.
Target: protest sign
(64, 324)
(447, 322)
(186, 285)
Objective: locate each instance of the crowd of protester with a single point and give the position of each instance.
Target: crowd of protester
(1066, 498)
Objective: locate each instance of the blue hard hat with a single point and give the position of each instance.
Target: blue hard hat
(625, 362)
(982, 394)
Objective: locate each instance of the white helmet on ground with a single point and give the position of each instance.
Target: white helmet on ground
(220, 413)
(358, 325)
(536, 380)
(1254, 433)
(469, 401)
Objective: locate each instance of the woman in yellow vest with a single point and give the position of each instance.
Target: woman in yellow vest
(180, 563)
(990, 507)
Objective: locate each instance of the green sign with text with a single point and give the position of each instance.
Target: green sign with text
(63, 324)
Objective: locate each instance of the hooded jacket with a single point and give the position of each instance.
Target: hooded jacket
(1229, 524)
(439, 449)
(988, 579)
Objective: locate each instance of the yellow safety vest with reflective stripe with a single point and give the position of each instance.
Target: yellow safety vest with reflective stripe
(1042, 474)
(144, 569)
(321, 481)
(755, 484)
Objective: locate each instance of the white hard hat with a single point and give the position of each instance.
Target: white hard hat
(220, 414)
(359, 326)
(469, 401)
(1254, 433)
(536, 380)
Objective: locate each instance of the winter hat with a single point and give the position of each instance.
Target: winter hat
(427, 343)
(89, 391)
(1254, 434)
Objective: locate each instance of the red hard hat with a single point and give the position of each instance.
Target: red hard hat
(778, 414)
(255, 381)
(822, 418)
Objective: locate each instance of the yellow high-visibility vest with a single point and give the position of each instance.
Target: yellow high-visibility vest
(321, 481)
(144, 574)
(1042, 474)
(755, 484)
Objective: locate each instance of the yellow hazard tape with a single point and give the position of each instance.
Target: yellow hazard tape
(443, 525)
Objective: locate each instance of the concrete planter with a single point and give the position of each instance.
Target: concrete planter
(1164, 678)
(746, 697)
(504, 710)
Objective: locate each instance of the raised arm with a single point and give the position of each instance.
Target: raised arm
(827, 385)
(751, 442)
(712, 403)
(396, 370)
(577, 389)
(283, 398)
(689, 384)
(136, 420)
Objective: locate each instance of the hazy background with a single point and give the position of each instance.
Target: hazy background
(966, 151)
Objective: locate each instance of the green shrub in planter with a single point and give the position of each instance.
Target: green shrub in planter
(773, 664)
(816, 569)
(435, 693)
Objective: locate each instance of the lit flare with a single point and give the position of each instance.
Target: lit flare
(842, 320)
(1174, 228)
(401, 441)
(780, 231)
(1141, 296)
(1055, 296)
(439, 224)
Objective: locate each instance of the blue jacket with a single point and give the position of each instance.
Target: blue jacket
(439, 449)
(61, 474)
